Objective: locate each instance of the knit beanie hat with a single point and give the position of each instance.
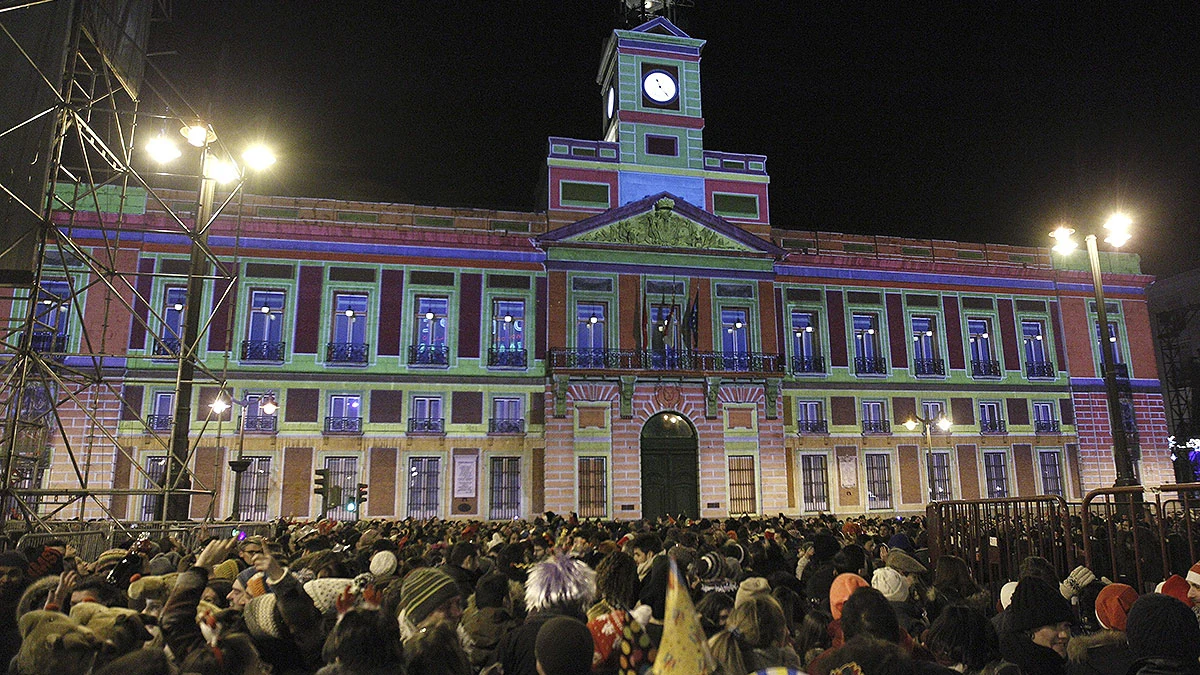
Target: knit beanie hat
(244, 575)
(324, 592)
(564, 647)
(1036, 603)
(891, 583)
(825, 546)
(1006, 593)
(424, 590)
(160, 564)
(261, 618)
(225, 570)
(1160, 626)
(839, 592)
(1176, 587)
(1193, 575)
(110, 557)
(904, 563)
(383, 564)
(1113, 603)
(256, 585)
(749, 588)
(710, 567)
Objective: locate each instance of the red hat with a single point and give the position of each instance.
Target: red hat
(1176, 587)
(1113, 604)
(1193, 575)
(843, 586)
(851, 529)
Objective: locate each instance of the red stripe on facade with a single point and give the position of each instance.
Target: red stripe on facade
(469, 315)
(391, 304)
(308, 323)
(837, 328)
(954, 338)
(897, 335)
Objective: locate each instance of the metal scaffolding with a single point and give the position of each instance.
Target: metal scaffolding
(74, 287)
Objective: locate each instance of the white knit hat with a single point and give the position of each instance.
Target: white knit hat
(383, 563)
(891, 583)
(324, 592)
(1193, 575)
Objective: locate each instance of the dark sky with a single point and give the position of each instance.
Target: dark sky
(972, 121)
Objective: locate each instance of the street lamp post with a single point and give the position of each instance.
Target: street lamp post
(212, 171)
(1118, 233)
(927, 424)
(239, 464)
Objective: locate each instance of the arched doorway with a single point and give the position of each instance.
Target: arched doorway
(670, 467)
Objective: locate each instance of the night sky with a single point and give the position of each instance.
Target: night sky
(979, 122)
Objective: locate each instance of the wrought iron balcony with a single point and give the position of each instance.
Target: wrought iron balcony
(167, 346)
(992, 427)
(811, 364)
(985, 368)
(666, 360)
(929, 367)
(159, 422)
(870, 365)
(428, 355)
(812, 426)
(353, 353)
(48, 342)
(876, 427)
(263, 424)
(505, 357)
(506, 426)
(1046, 426)
(1121, 369)
(426, 425)
(343, 425)
(1043, 369)
(262, 350)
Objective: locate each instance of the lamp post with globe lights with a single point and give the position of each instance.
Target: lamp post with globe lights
(239, 465)
(1117, 230)
(213, 169)
(927, 425)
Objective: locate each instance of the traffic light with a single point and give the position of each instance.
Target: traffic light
(362, 493)
(321, 488)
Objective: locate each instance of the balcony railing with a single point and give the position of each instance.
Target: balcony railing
(506, 426)
(263, 424)
(1043, 369)
(985, 368)
(812, 426)
(343, 425)
(168, 347)
(159, 422)
(870, 365)
(262, 350)
(811, 364)
(666, 360)
(426, 425)
(428, 355)
(1046, 426)
(929, 367)
(354, 353)
(505, 357)
(48, 342)
(992, 427)
(1121, 369)
(876, 427)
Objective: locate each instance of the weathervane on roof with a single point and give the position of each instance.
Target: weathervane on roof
(638, 12)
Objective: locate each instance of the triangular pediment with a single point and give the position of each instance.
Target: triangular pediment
(662, 221)
(662, 26)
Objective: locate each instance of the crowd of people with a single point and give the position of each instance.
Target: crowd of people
(556, 596)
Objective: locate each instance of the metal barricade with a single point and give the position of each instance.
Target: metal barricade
(993, 536)
(89, 544)
(1137, 537)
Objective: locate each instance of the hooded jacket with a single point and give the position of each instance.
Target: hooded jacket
(1104, 653)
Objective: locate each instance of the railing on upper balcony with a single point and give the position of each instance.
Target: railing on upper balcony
(264, 424)
(168, 347)
(343, 425)
(505, 357)
(354, 353)
(262, 350)
(870, 365)
(992, 427)
(1045, 426)
(812, 364)
(1043, 369)
(426, 425)
(48, 342)
(812, 426)
(505, 425)
(666, 360)
(929, 367)
(985, 368)
(159, 422)
(876, 427)
(1121, 369)
(428, 355)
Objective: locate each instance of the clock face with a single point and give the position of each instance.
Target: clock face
(659, 86)
(611, 105)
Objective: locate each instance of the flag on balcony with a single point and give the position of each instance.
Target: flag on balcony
(639, 334)
(691, 321)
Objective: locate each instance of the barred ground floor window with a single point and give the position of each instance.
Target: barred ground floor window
(505, 502)
(593, 487)
(743, 496)
(815, 476)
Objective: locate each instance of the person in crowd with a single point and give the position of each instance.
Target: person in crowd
(1105, 652)
(1164, 637)
(895, 587)
(755, 637)
(1038, 628)
(558, 586)
(714, 609)
(363, 642)
(962, 639)
(952, 584)
(564, 647)
(490, 618)
(462, 565)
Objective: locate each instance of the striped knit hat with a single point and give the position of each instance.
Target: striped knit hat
(424, 590)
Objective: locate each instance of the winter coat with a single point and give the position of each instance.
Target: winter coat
(1103, 653)
(910, 617)
(1163, 667)
(487, 627)
(516, 649)
(1033, 659)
